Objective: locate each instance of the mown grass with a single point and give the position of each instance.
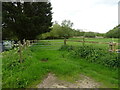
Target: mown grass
(33, 70)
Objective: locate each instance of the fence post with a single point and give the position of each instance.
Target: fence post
(110, 46)
(114, 46)
(65, 41)
(27, 43)
(83, 41)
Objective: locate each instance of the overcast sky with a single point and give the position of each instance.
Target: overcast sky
(90, 15)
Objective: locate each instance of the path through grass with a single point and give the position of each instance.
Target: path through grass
(33, 69)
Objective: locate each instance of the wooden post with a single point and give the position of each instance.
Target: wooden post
(27, 43)
(65, 41)
(110, 46)
(114, 46)
(20, 51)
(83, 41)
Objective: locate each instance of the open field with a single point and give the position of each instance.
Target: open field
(97, 39)
(46, 57)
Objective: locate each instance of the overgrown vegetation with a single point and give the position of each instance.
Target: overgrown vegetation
(94, 54)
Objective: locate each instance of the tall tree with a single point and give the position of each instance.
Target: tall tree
(26, 20)
(67, 28)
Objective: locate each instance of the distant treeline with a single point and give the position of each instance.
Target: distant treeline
(59, 31)
(34, 21)
(65, 31)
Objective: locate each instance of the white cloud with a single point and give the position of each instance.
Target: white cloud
(93, 15)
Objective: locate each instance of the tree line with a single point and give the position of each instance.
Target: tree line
(33, 20)
(65, 30)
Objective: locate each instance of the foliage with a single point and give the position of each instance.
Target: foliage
(100, 34)
(60, 31)
(8, 35)
(67, 23)
(94, 54)
(65, 31)
(67, 28)
(114, 33)
(56, 31)
(90, 34)
(78, 33)
(26, 20)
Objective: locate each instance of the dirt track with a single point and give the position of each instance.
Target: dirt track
(53, 82)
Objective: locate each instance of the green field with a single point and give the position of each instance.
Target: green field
(60, 62)
(97, 39)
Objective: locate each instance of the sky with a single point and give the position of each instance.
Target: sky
(88, 15)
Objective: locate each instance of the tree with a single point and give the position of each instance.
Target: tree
(78, 32)
(114, 33)
(54, 33)
(59, 31)
(67, 28)
(26, 20)
(67, 23)
(8, 34)
(100, 34)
